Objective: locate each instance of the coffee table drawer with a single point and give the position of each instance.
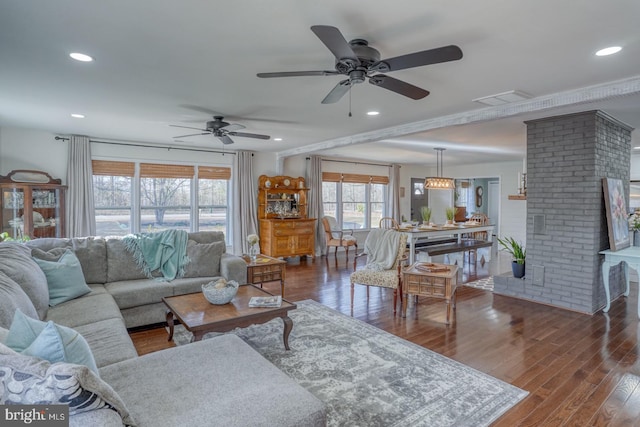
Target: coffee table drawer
(266, 273)
(425, 285)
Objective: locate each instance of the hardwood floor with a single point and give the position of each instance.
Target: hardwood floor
(579, 370)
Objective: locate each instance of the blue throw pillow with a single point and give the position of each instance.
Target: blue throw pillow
(64, 277)
(49, 341)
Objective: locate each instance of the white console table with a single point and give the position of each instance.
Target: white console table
(631, 257)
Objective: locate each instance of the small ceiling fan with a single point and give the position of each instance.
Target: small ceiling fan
(359, 61)
(221, 130)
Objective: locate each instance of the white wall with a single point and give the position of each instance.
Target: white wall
(513, 213)
(32, 149)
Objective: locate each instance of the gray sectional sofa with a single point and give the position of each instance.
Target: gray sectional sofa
(214, 382)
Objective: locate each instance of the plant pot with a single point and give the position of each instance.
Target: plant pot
(449, 222)
(636, 238)
(517, 269)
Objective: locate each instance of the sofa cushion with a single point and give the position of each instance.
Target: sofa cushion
(109, 341)
(64, 274)
(84, 310)
(21, 268)
(29, 380)
(207, 236)
(205, 259)
(121, 265)
(49, 341)
(224, 371)
(91, 252)
(132, 293)
(12, 297)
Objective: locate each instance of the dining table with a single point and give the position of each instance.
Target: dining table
(421, 233)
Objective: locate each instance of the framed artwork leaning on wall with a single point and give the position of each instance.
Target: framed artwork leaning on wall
(617, 214)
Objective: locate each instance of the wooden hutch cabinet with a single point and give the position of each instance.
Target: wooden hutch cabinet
(285, 229)
(32, 205)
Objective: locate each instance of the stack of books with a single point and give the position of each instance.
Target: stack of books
(272, 301)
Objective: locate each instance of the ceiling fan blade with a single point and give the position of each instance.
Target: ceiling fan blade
(187, 127)
(249, 135)
(337, 92)
(398, 86)
(418, 59)
(335, 41)
(193, 134)
(297, 74)
(225, 139)
(234, 127)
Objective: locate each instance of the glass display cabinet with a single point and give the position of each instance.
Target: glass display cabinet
(32, 204)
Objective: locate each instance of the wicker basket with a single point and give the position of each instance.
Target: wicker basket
(220, 296)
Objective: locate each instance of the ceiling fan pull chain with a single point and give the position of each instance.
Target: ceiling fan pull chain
(350, 100)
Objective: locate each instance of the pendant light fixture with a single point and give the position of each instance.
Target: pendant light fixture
(438, 182)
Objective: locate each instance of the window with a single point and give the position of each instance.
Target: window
(112, 197)
(164, 197)
(356, 201)
(213, 205)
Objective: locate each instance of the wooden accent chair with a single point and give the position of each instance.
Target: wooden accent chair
(336, 237)
(372, 274)
(389, 222)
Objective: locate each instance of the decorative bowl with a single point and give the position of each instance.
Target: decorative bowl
(222, 294)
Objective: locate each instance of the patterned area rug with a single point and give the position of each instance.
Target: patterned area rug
(486, 284)
(368, 377)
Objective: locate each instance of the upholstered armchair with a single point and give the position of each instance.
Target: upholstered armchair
(337, 237)
(385, 252)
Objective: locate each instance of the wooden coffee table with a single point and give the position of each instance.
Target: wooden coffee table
(199, 316)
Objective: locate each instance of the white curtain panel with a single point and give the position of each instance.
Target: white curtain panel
(393, 200)
(81, 219)
(314, 179)
(245, 197)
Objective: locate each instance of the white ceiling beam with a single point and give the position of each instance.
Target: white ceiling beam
(585, 95)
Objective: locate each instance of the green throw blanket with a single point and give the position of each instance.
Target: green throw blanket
(165, 251)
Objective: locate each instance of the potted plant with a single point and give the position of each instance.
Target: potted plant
(425, 212)
(451, 214)
(518, 252)
(634, 225)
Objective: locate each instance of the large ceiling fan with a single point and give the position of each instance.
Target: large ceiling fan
(221, 130)
(359, 61)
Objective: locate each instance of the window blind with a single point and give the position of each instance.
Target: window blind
(354, 178)
(213, 172)
(152, 170)
(110, 168)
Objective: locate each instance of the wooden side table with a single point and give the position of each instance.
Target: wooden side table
(266, 269)
(431, 280)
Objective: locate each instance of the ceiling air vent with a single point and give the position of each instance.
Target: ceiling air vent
(503, 98)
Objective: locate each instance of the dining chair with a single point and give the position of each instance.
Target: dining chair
(385, 255)
(480, 219)
(389, 223)
(337, 237)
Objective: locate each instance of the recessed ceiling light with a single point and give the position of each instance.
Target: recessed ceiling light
(77, 116)
(277, 139)
(373, 113)
(81, 57)
(608, 51)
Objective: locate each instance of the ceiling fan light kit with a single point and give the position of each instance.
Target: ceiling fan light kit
(359, 61)
(439, 182)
